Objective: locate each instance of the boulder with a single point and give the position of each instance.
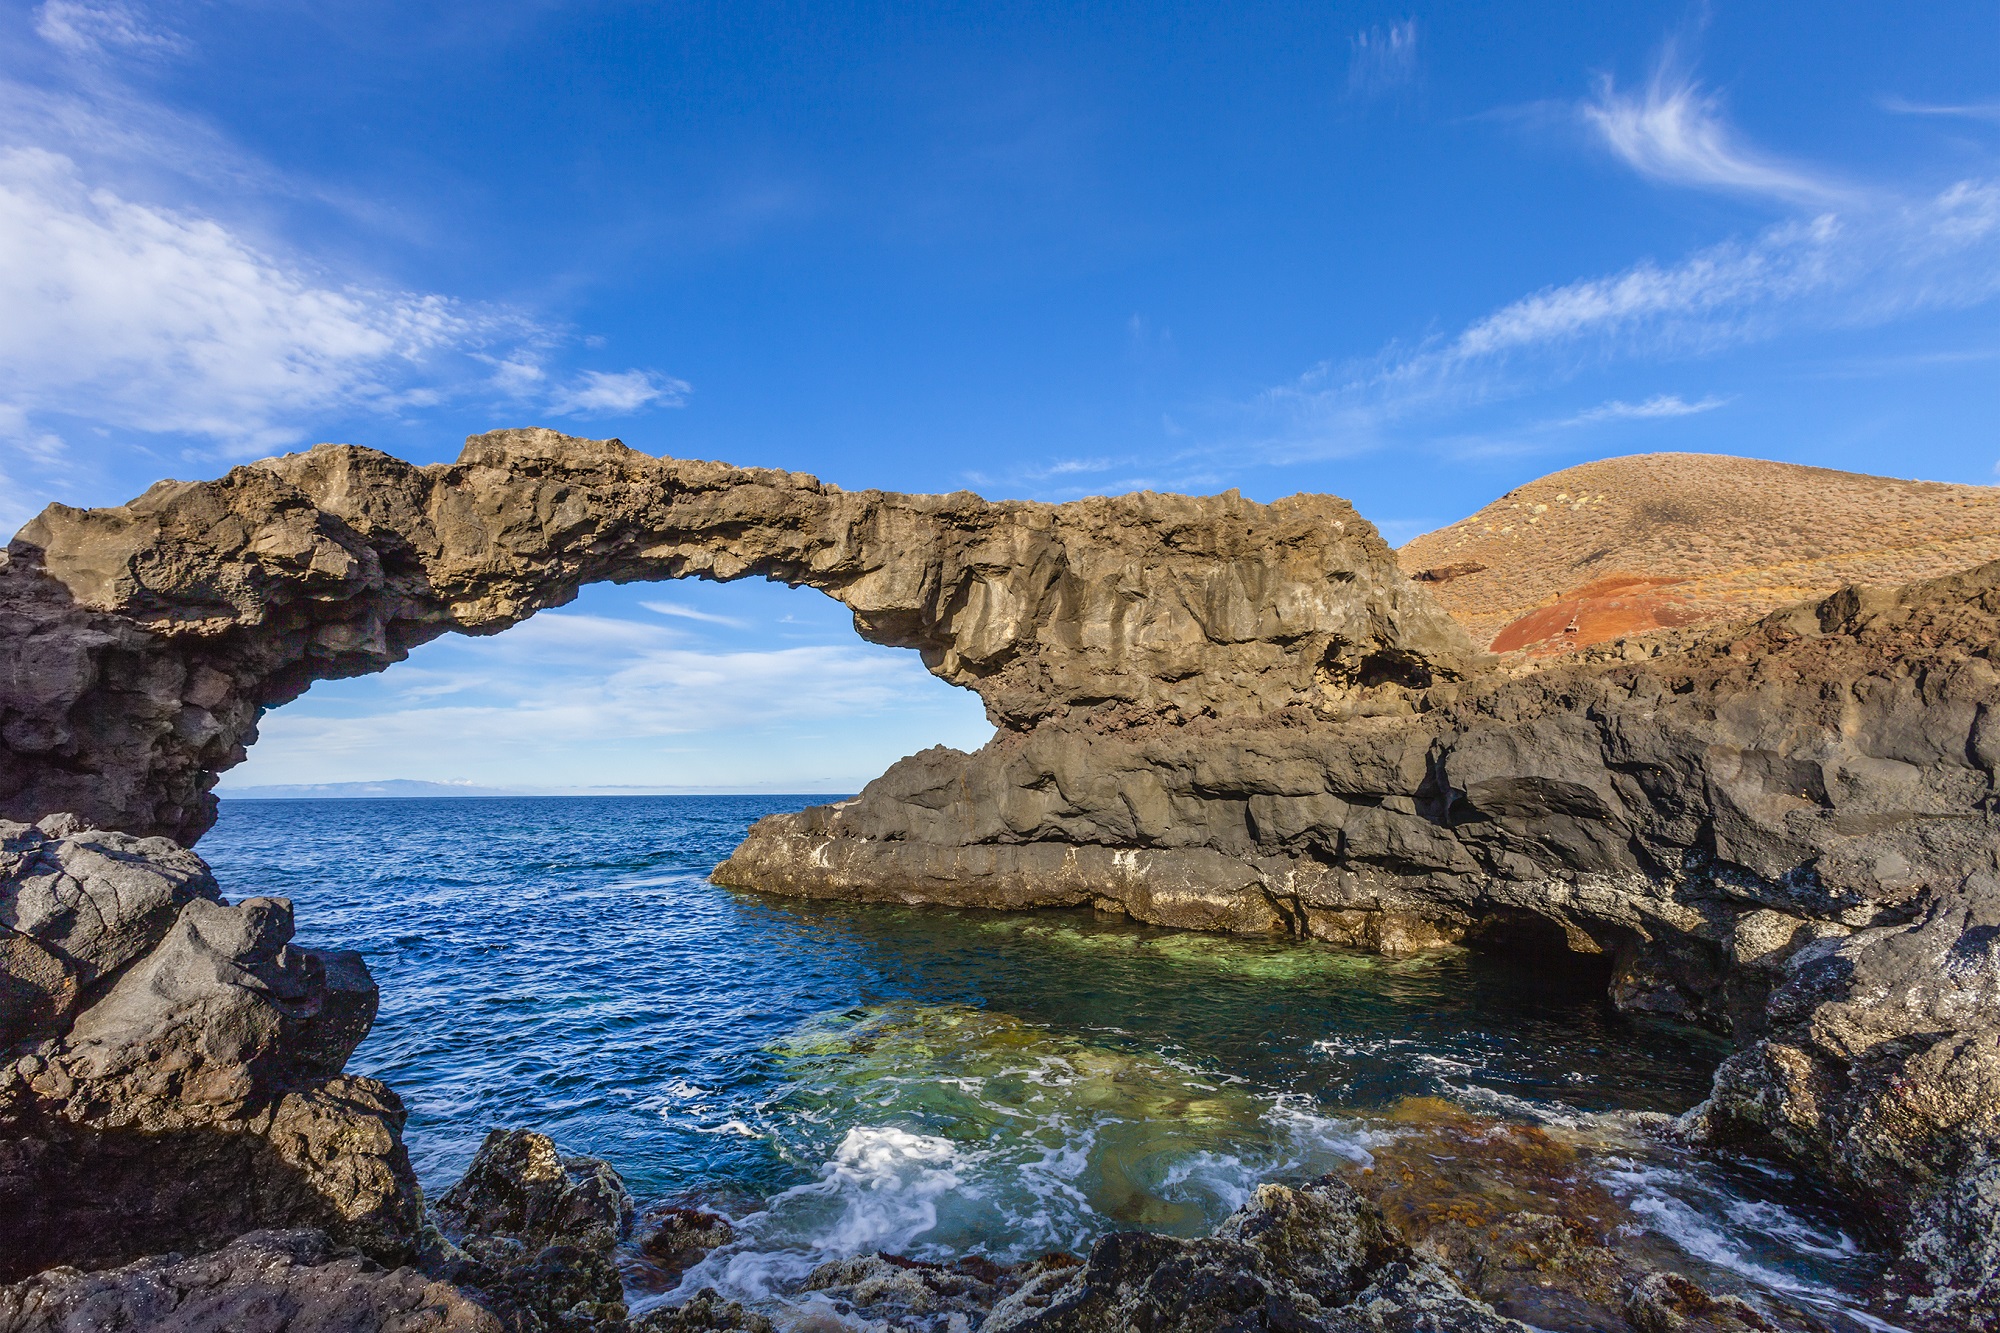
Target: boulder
(192, 1091)
(1312, 1258)
(535, 1230)
(77, 904)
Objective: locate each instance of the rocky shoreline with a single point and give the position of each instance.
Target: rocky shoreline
(183, 1150)
(1211, 714)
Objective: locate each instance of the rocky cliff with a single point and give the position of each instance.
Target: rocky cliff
(1785, 831)
(1211, 714)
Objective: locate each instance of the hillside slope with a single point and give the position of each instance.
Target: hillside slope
(1627, 545)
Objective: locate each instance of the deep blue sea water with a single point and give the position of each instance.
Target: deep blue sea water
(843, 1078)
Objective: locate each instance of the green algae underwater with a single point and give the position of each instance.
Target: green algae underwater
(842, 1078)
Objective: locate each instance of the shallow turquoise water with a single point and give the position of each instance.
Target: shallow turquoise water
(843, 1078)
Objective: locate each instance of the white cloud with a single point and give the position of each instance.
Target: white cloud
(678, 611)
(160, 320)
(1673, 131)
(602, 393)
(1860, 267)
(1964, 110)
(1383, 59)
(1654, 408)
(131, 304)
(87, 29)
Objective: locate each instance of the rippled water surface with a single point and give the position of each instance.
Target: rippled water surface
(846, 1078)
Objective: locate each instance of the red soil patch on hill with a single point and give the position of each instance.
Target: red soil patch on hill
(1627, 546)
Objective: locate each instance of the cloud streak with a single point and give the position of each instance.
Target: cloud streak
(1673, 131)
(1383, 59)
(1852, 260)
(1656, 408)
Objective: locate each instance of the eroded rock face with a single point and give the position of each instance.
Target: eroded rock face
(532, 1231)
(184, 1086)
(139, 645)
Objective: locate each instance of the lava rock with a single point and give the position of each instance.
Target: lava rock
(1303, 1259)
(265, 1282)
(534, 1231)
(192, 1089)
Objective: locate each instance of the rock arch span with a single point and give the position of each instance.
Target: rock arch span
(142, 643)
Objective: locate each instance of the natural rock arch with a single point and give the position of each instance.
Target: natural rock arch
(1213, 713)
(142, 643)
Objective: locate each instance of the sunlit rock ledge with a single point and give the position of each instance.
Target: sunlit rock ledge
(1212, 714)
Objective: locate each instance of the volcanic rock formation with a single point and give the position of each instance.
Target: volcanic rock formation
(1211, 714)
(139, 645)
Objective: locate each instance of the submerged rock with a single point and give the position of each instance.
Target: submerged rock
(675, 1239)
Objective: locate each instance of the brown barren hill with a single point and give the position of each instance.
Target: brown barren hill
(1626, 546)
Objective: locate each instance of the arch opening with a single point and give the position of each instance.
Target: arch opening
(676, 687)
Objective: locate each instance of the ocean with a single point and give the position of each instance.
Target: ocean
(845, 1078)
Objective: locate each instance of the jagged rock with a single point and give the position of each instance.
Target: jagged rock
(139, 644)
(195, 1091)
(264, 1282)
(675, 1240)
(1304, 1259)
(910, 1295)
(78, 904)
(536, 1229)
(1881, 1066)
(704, 1312)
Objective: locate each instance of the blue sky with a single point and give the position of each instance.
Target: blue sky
(1411, 255)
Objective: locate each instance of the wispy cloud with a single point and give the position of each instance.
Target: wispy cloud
(152, 319)
(1382, 59)
(675, 609)
(1652, 409)
(134, 303)
(1673, 130)
(1963, 110)
(1859, 259)
(602, 393)
(90, 29)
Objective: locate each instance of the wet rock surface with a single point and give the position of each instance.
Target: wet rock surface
(1309, 1257)
(532, 1231)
